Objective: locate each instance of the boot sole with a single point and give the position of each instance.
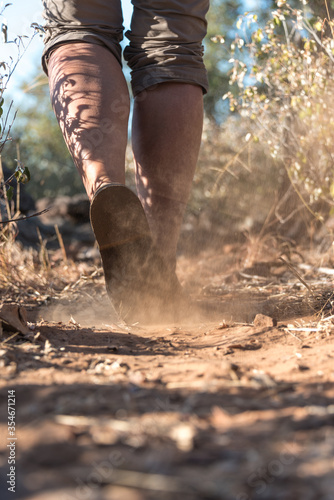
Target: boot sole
(124, 239)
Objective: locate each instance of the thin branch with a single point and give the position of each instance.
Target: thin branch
(26, 217)
(19, 57)
(296, 273)
(286, 34)
(300, 196)
(310, 30)
(329, 18)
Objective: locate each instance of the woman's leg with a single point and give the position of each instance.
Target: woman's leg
(166, 137)
(91, 101)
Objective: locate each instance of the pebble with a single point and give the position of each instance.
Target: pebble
(262, 321)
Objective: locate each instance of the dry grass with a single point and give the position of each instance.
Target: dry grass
(33, 277)
(299, 286)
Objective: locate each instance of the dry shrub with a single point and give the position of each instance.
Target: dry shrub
(286, 97)
(237, 186)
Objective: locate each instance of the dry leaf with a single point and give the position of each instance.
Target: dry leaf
(14, 318)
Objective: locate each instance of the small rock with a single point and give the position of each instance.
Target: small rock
(227, 350)
(11, 369)
(183, 434)
(262, 379)
(303, 368)
(262, 321)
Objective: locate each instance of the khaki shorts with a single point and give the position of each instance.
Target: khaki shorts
(165, 36)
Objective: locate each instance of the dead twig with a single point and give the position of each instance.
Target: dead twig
(296, 273)
(288, 330)
(61, 244)
(26, 217)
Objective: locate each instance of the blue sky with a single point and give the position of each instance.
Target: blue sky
(19, 16)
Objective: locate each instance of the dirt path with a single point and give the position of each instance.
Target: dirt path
(216, 410)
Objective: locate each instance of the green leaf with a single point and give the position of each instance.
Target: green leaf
(27, 173)
(10, 193)
(22, 174)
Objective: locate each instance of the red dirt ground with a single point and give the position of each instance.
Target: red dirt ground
(237, 408)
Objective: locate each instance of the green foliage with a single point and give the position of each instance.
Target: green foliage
(221, 18)
(282, 82)
(10, 193)
(22, 173)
